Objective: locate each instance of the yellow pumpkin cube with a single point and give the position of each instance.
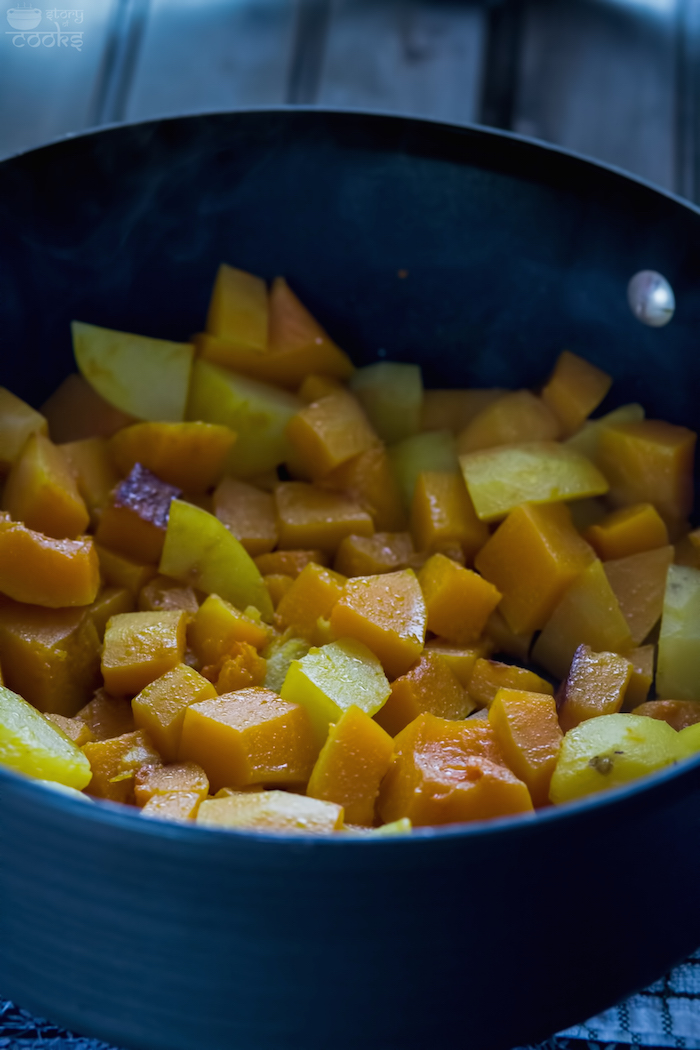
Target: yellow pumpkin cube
(249, 513)
(328, 432)
(111, 601)
(630, 530)
(458, 601)
(642, 660)
(41, 492)
(442, 515)
(94, 472)
(190, 456)
(238, 309)
(529, 735)
(308, 516)
(173, 805)
(152, 781)
(489, 676)
(574, 390)
(372, 555)
(140, 647)
(18, 421)
(160, 707)
(162, 593)
(312, 595)
(119, 571)
(369, 479)
(218, 625)
(429, 685)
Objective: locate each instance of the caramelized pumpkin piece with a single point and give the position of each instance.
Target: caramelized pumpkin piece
(369, 479)
(151, 781)
(160, 707)
(429, 685)
(107, 716)
(329, 432)
(386, 613)
(18, 421)
(639, 583)
(516, 417)
(308, 516)
(528, 732)
(595, 685)
(135, 522)
(140, 647)
(443, 515)
(238, 309)
(94, 472)
(458, 601)
(445, 772)
(489, 676)
(630, 530)
(189, 456)
(115, 764)
(270, 812)
(41, 491)
(249, 737)
(42, 571)
(574, 390)
(352, 765)
(249, 513)
(312, 595)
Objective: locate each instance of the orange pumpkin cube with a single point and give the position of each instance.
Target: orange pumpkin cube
(289, 563)
(75, 728)
(277, 583)
(328, 432)
(372, 555)
(515, 417)
(249, 737)
(151, 781)
(108, 716)
(163, 592)
(93, 470)
(442, 515)
(532, 558)
(351, 766)
(119, 571)
(649, 462)
(528, 732)
(459, 659)
(678, 713)
(134, 523)
(115, 763)
(41, 492)
(627, 531)
(312, 595)
(639, 584)
(430, 685)
(160, 707)
(249, 513)
(39, 570)
(489, 676)
(370, 480)
(140, 647)
(574, 390)
(458, 601)
(388, 614)
(596, 685)
(218, 625)
(238, 309)
(445, 772)
(308, 516)
(191, 456)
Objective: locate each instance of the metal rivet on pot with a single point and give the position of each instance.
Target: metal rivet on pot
(651, 298)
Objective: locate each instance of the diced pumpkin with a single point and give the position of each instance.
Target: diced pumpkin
(516, 417)
(119, 571)
(351, 766)
(110, 602)
(75, 411)
(241, 668)
(162, 593)
(160, 707)
(151, 781)
(18, 421)
(51, 657)
(107, 716)
(249, 513)
(388, 614)
(238, 309)
(41, 492)
(445, 772)
(308, 516)
(290, 563)
(369, 479)
(595, 685)
(218, 625)
(430, 685)
(391, 394)
(277, 583)
(432, 451)
(588, 614)
(678, 665)
(489, 676)
(249, 737)
(93, 470)
(649, 462)
(458, 601)
(586, 439)
(442, 515)
(372, 555)
(678, 713)
(39, 570)
(135, 522)
(328, 432)
(140, 647)
(31, 744)
(527, 730)
(502, 478)
(115, 764)
(312, 595)
(639, 583)
(190, 456)
(173, 805)
(630, 530)
(454, 409)
(459, 659)
(642, 660)
(273, 812)
(574, 390)
(75, 728)
(329, 680)
(200, 551)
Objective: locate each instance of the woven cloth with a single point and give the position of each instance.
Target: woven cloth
(667, 1014)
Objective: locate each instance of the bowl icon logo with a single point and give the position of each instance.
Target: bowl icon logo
(24, 17)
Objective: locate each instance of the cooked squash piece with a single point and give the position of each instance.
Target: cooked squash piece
(51, 657)
(430, 685)
(372, 555)
(18, 421)
(140, 647)
(459, 659)
(516, 417)
(40, 570)
(75, 728)
(528, 732)
(111, 601)
(386, 613)
(445, 772)
(190, 456)
(488, 676)
(595, 685)
(162, 592)
(327, 433)
(678, 665)
(630, 530)
(312, 595)
(94, 472)
(642, 660)
(277, 583)
(271, 812)
(173, 805)
(75, 411)
(502, 478)
(352, 765)
(291, 562)
(41, 492)
(454, 409)
(574, 390)
(160, 707)
(678, 713)
(217, 627)
(241, 668)
(249, 513)
(238, 309)
(115, 764)
(369, 479)
(298, 343)
(31, 744)
(329, 680)
(119, 571)
(151, 781)
(391, 393)
(639, 584)
(135, 522)
(430, 452)
(588, 614)
(249, 737)
(443, 515)
(308, 516)
(107, 716)
(458, 601)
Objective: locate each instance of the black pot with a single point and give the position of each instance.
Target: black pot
(153, 935)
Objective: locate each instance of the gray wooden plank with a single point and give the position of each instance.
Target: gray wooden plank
(599, 76)
(214, 55)
(47, 91)
(413, 56)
